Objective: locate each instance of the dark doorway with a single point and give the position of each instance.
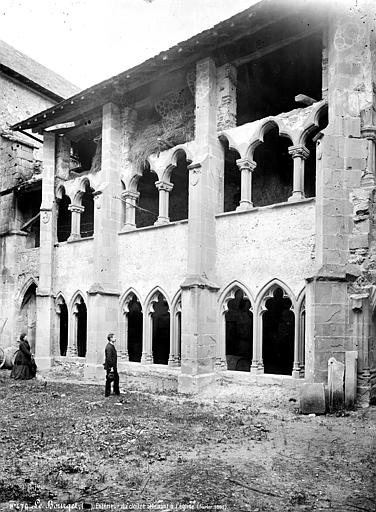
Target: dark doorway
(81, 329)
(232, 180)
(28, 315)
(278, 323)
(87, 216)
(161, 331)
(135, 330)
(178, 203)
(310, 163)
(148, 202)
(273, 177)
(239, 333)
(63, 330)
(63, 219)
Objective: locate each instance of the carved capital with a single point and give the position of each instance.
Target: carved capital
(76, 208)
(163, 185)
(299, 152)
(130, 194)
(357, 301)
(246, 165)
(368, 132)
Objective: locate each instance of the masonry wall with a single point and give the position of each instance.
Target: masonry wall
(265, 243)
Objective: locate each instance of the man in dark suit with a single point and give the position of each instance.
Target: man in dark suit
(110, 365)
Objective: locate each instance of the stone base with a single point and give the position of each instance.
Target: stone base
(312, 399)
(192, 384)
(94, 372)
(44, 363)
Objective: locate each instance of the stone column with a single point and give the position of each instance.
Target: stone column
(130, 198)
(164, 196)
(299, 155)
(123, 335)
(72, 335)
(103, 294)
(147, 338)
(76, 211)
(360, 307)
(246, 168)
(175, 329)
(369, 133)
(45, 301)
(296, 364)
(199, 293)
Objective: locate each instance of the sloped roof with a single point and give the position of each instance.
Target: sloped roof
(252, 20)
(18, 65)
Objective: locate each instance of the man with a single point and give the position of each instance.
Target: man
(110, 365)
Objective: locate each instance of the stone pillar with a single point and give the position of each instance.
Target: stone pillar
(341, 159)
(123, 335)
(130, 198)
(296, 364)
(226, 97)
(147, 338)
(72, 335)
(199, 301)
(76, 211)
(175, 329)
(360, 307)
(246, 168)
(299, 155)
(45, 301)
(103, 294)
(164, 196)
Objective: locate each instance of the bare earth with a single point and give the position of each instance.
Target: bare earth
(66, 446)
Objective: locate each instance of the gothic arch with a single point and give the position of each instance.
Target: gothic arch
(175, 329)
(62, 322)
(77, 342)
(266, 125)
(156, 327)
(25, 287)
(315, 122)
(276, 328)
(26, 311)
(231, 293)
(131, 326)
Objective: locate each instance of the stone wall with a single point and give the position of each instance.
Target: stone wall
(256, 246)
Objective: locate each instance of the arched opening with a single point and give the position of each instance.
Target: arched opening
(28, 315)
(302, 335)
(273, 177)
(135, 318)
(81, 329)
(160, 330)
(239, 333)
(232, 180)
(147, 212)
(310, 163)
(87, 216)
(178, 201)
(63, 328)
(63, 218)
(278, 322)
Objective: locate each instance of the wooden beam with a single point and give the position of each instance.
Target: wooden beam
(275, 47)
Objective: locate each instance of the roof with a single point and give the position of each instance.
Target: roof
(258, 17)
(18, 65)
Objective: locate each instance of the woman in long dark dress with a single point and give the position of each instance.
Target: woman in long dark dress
(23, 366)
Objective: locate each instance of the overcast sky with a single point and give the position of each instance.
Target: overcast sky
(87, 41)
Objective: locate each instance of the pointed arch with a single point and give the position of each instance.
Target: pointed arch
(174, 358)
(77, 340)
(157, 339)
(30, 281)
(316, 121)
(235, 317)
(276, 326)
(131, 326)
(62, 321)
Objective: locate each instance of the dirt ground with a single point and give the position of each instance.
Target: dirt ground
(66, 446)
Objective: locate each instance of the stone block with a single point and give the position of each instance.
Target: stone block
(359, 241)
(312, 398)
(351, 364)
(336, 373)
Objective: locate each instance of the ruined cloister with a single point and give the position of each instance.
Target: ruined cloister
(215, 212)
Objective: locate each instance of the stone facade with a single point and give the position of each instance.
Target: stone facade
(274, 289)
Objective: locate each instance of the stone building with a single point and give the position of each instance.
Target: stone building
(26, 87)
(214, 206)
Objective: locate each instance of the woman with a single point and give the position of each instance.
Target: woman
(24, 366)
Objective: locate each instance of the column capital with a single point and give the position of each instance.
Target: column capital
(299, 151)
(164, 185)
(368, 132)
(245, 164)
(76, 208)
(130, 194)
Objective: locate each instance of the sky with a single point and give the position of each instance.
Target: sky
(87, 41)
